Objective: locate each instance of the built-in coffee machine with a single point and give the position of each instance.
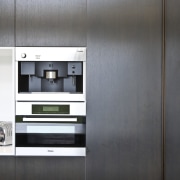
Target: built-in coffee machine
(52, 74)
(51, 101)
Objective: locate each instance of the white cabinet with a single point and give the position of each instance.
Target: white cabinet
(7, 93)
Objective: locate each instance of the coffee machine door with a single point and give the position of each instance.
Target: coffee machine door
(59, 75)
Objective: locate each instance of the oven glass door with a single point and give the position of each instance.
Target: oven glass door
(50, 134)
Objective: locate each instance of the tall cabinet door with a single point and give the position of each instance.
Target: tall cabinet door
(6, 23)
(50, 168)
(124, 90)
(172, 158)
(51, 23)
(7, 166)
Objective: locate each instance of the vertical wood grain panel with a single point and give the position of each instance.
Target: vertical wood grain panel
(6, 23)
(50, 168)
(51, 23)
(7, 168)
(172, 90)
(124, 89)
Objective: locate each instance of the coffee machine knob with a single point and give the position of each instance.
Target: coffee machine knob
(23, 55)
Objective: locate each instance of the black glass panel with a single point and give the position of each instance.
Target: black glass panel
(49, 140)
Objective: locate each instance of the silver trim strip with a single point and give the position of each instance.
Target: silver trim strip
(51, 119)
(78, 128)
(48, 151)
(51, 129)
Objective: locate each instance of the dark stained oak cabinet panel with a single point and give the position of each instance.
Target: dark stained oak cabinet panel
(51, 23)
(6, 23)
(172, 159)
(50, 168)
(7, 168)
(124, 47)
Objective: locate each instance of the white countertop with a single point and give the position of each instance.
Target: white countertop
(6, 150)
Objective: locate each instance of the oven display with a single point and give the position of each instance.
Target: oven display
(50, 109)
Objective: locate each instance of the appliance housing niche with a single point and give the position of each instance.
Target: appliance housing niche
(50, 101)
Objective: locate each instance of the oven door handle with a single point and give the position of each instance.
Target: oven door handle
(50, 119)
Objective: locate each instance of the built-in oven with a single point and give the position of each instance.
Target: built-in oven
(50, 129)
